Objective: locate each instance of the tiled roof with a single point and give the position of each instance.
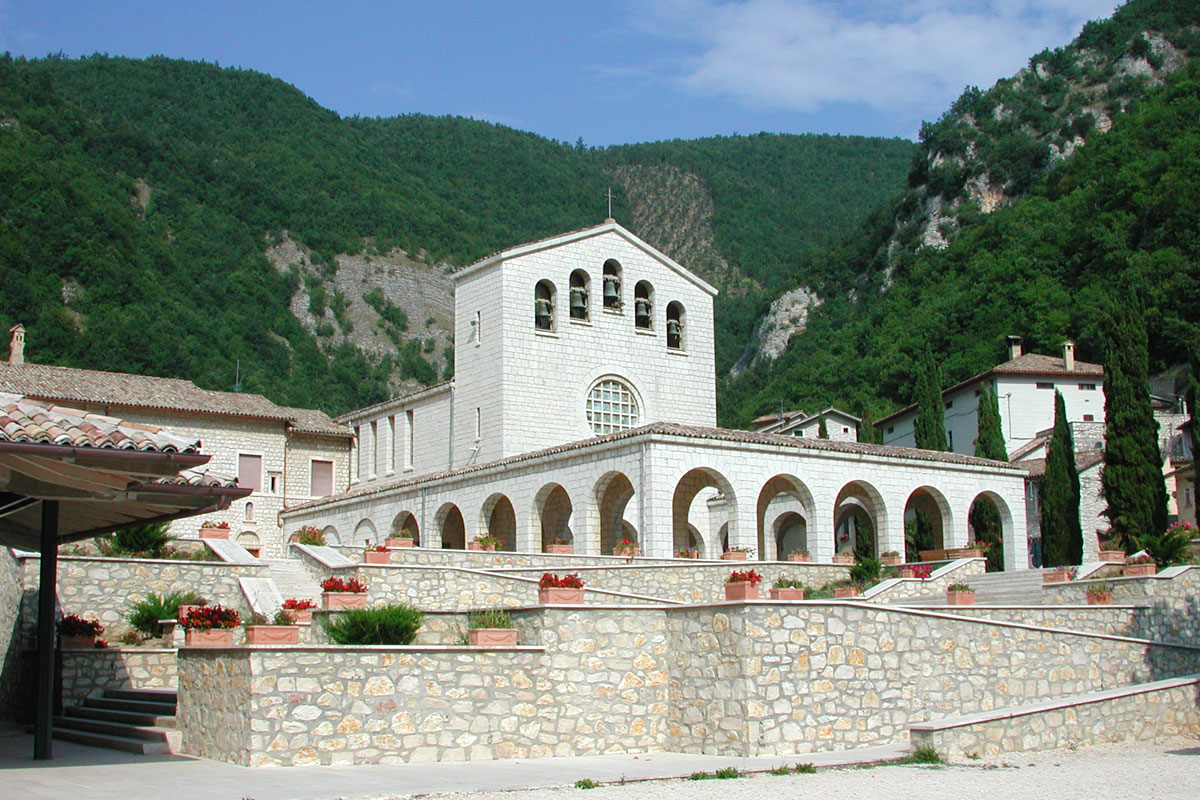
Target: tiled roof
(310, 420)
(199, 476)
(25, 421)
(684, 431)
(66, 384)
(401, 399)
(1033, 444)
(1084, 459)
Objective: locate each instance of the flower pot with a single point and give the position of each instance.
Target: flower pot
(272, 634)
(733, 555)
(394, 542)
(1099, 598)
(907, 572)
(343, 601)
(1056, 577)
(301, 616)
(890, 561)
(209, 637)
(183, 611)
(559, 595)
(960, 598)
(741, 590)
(628, 552)
(490, 548)
(214, 533)
(560, 549)
(964, 552)
(492, 637)
(787, 594)
(1139, 569)
(843, 558)
(1112, 556)
(376, 557)
(845, 591)
(800, 558)
(86, 641)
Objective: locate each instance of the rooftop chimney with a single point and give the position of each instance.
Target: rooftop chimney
(1069, 355)
(1014, 347)
(16, 348)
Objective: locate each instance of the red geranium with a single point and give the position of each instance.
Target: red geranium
(552, 581)
(292, 604)
(211, 617)
(336, 584)
(744, 576)
(72, 625)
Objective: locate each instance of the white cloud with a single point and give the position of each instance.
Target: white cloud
(800, 55)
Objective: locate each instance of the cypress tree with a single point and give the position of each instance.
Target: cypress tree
(822, 429)
(1132, 481)
(929, 428)
(989, 443)
(866, 429)
(1062, 537)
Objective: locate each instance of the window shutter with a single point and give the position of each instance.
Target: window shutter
(250, 472)
(322, 478)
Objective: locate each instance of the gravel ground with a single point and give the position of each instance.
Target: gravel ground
(1169, 769)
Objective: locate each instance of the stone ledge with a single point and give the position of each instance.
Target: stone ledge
(357, 648)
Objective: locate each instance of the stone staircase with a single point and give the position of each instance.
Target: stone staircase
(1016, 588)
(134, 720)
(293, 580)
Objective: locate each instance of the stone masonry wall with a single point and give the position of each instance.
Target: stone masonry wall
(1173, 597)
(902, 588)
(11, 600)
(89, 672)
(213, 712)
(1109, 620)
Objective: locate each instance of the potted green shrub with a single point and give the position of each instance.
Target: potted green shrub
(1099, 594)
(484, 541)
(401, 538)
(210, 626)
(379, 554)
(742, 585)
(309, 535)
(77, 632)
(1139, 565)
(736, 553)
(890, 558)
(787, 589)
(280, 630)
(560, 589)
(301, 610)
(338, 594)
(210, 529)
(960, 594)
(491, 627)
(844, 589)
(800, 556)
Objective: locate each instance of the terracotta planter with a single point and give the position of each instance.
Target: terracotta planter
(843, 558)
(787, 594)
(733, 555)
(376, 557)
(272, 634)
(214, 533)
(492, 637)
(490, 548)
(907, 572)
(560, 549)
(394, 542)
(304, 616)
(183, 611)
(1099, 598)
(960, 598)
(1056, 577)
(211, 637)
(800, 558)
(741, 590)
(964, 552)
(343, 601)
(1112, 556)
(845, 591)
(1139, 569)
(559, 595)
(87, 641)
(626, 553)
(890, 561)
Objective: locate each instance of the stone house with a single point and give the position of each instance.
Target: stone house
(286, 455)
(840, 426)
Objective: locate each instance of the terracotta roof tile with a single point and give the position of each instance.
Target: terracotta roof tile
(38, 422)
(1084, 459)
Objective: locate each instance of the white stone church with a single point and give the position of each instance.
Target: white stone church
(583, 410)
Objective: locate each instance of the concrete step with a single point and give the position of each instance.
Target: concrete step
(124, 717)
(146, 695)
(139, 706)
(104, 728)
(142, 746)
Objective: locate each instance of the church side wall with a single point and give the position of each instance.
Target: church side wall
(480, 336)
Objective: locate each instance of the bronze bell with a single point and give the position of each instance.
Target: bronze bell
(612, 290)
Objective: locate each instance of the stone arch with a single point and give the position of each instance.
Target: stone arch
(250, 541)
(552, 511)
(611, 272)
(545, 305)
(696, 540)
(783, 494)
(676, 326)
(613, 492)
(449, 521)
(859, 519)
(789, 531)
(927, 520)
(579, 302)
(990, 520)
(643, 305)
(687, 490)
(499, 518)
(406, 522)
(365, 532)
(331, 535)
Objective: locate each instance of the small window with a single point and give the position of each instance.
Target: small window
(949, 404)
(249, 512)
(891, 429)
(408, 448)
(845, 429)
(250, 472)
(612, 285)
(978, 392)
(476, 335)
(643, 305)
(1089, 417)
(274, 481)
(579, 295)
(321, 478)
(675, 325)
(1045, 385)
(1087, 387)
(543, 306)
(799, 432)
(950, 438)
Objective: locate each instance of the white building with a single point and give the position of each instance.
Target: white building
(840, 426)
(583, 409)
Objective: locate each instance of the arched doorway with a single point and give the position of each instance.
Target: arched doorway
(250, 541)
(500, 520)
(450, 523)
(552, 510)
(406, 523)
(927, 518)
(783, 495)
(858, 517)
(986, 523)
(613, 493)
(688, 504)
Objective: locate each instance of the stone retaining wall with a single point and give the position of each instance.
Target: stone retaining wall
(1173, 597)
(13, 676)
(1140, 713)
(89, 672)
(896, 589)
(482, 559)
(1111, 620)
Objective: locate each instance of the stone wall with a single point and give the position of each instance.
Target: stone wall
(12, 677)
(1110, 620)
(896, 589)
(763, 679)
(499, 560)
(89, 672)
(1139, 713)
(1173, 597)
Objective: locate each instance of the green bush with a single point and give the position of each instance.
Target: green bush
(1169, 547)
(489, 618)
(145, 614)
(387, 625)
(147, 540)
(865, 572)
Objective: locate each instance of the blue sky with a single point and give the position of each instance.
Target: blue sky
(609, 72)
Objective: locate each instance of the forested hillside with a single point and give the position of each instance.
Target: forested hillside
(177, 218)
(1026, 204)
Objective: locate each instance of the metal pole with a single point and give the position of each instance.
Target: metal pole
(44, 712)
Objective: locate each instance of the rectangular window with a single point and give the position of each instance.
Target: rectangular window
(1087, 387)
(321, 478)
(478, 423)
(950, 439)
(408, 448)
(374, 454)
(274, 482)
(1045, 385)
(891, 428)
(949, 404)
(1089, 418)
(478, 328)
(250, 472)
(392, 442)
(356, 456)
(799, 432)
(845, 430)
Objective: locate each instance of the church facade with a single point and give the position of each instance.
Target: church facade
(583, 411)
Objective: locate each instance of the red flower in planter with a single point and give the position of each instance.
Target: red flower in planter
(211, 618)
(336, 584)
(552, 581)
(744, 576)
(292, 604)
(72, 625)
